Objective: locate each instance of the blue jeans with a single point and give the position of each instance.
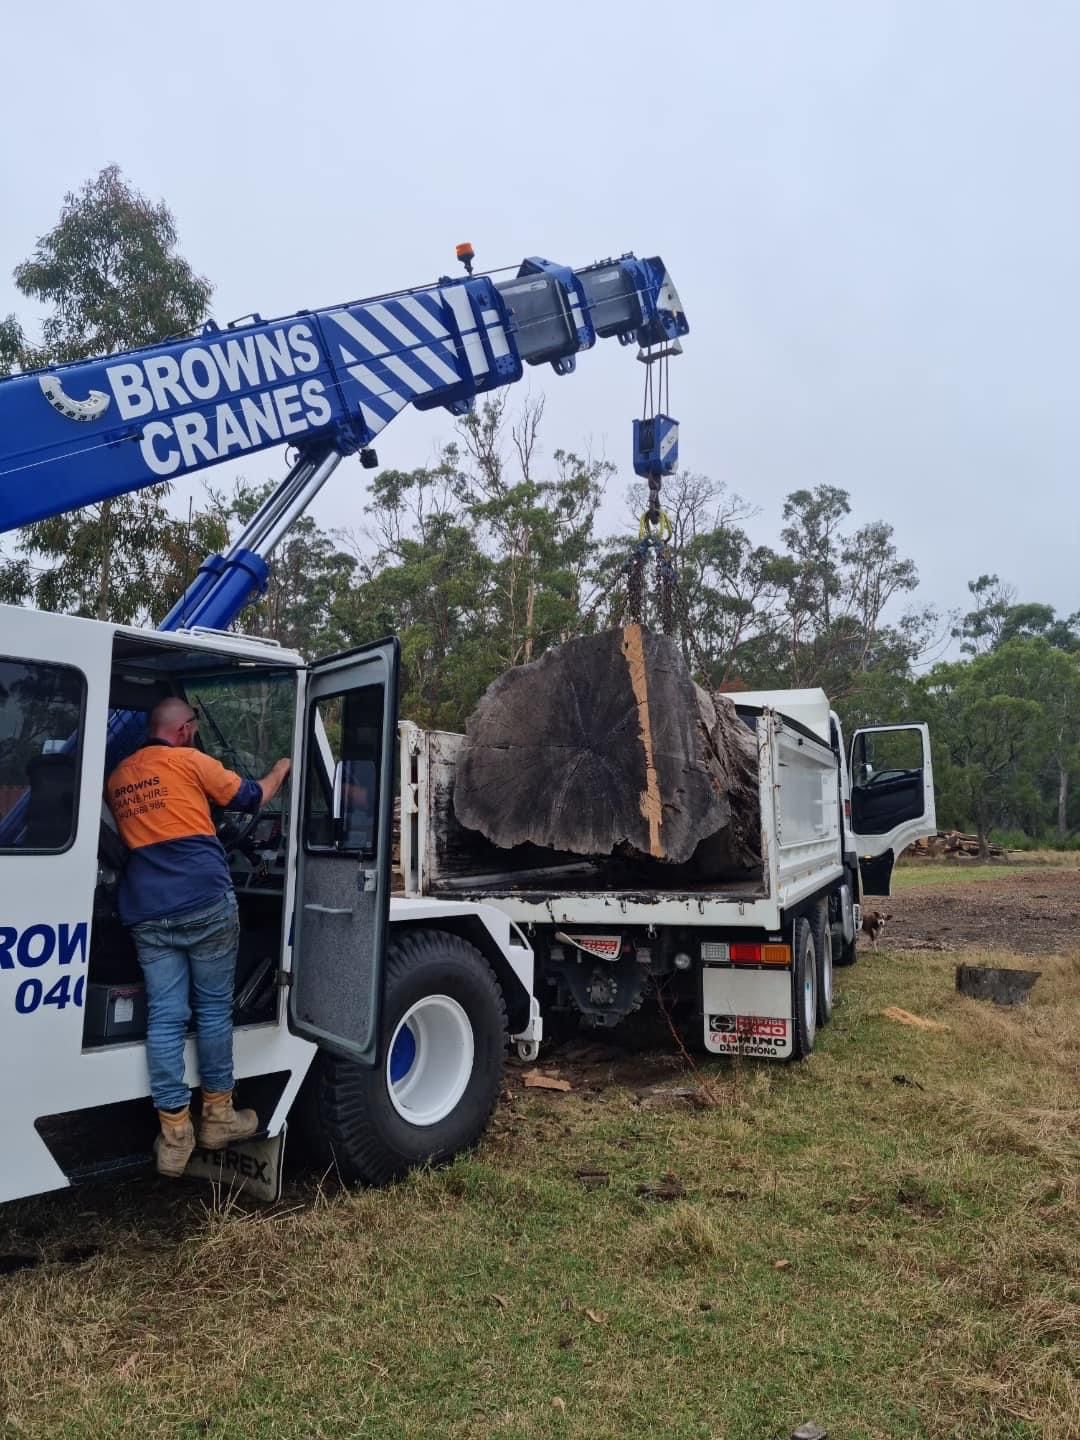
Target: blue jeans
(189, 959)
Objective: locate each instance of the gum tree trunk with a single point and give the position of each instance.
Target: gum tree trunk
(1063, 801)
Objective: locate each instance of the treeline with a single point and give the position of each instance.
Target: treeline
(481, 561)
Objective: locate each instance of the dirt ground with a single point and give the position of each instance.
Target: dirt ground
(1032, 911)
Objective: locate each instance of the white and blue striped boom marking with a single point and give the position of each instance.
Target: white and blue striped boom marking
(414, 349)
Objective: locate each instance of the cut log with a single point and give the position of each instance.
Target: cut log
(606, 746)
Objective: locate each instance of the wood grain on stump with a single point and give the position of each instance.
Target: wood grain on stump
(605, 745)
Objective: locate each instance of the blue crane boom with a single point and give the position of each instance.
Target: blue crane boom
(325, 382)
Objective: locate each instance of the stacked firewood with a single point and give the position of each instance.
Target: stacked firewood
(955, 842)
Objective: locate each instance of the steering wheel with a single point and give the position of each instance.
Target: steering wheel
(233, 828)
(883, 777)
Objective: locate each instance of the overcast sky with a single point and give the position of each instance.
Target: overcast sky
(871, 211)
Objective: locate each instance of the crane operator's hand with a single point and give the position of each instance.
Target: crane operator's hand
(272, 782)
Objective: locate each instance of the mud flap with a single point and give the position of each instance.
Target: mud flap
(876, 872)
(251, 1168)
(747, 1012)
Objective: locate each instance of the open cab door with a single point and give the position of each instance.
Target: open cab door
(344, 850)
(892, 798)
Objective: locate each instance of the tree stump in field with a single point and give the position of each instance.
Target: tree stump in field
(606, 746)
(1003, 986)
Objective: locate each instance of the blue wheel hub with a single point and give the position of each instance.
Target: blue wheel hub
(402, 1055)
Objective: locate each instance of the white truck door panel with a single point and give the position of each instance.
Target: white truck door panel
(344, 854)
(53, 706)
(892, 797)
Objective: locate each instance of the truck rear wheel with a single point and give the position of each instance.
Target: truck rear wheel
(437, 1081)
(803, 992)
(823, 953)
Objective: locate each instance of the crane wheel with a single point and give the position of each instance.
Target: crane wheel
(431, 1094)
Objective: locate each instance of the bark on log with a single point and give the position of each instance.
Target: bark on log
(606, 746)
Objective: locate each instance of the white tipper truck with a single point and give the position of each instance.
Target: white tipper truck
(747, 964)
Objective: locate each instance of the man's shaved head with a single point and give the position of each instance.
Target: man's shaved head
(173, 720)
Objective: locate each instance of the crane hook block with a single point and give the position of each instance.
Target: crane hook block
(656, 446)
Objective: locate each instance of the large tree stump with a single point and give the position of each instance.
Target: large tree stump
(606, 746)
(1003, 986)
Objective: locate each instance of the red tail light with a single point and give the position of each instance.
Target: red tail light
(745, 952)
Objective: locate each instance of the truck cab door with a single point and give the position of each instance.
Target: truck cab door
(892, 798)
(344, 850)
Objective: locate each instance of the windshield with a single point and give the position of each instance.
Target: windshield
(245, 721)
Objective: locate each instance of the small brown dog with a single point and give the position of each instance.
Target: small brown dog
(873, 924)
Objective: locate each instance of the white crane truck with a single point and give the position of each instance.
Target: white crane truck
(746, 964)
(381, 1023)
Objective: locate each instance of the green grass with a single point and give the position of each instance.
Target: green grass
(1020, 840)
(932, 1230)
(918, 873)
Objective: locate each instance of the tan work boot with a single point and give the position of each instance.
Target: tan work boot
(220, 1123)
(174, 1145)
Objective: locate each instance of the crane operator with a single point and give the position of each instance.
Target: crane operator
(176, 897)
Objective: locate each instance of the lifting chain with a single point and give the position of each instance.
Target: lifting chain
(649, 569)
(670, 605)
(654, 542)
(635, 585)
(655, 455)
(666, 584)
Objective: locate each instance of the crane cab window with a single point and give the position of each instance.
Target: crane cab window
(886, 779)
(41, 724)
(246, 721)
(344, 749)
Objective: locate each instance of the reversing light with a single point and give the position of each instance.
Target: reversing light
(682, 961)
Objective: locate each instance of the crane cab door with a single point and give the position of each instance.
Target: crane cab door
(892, 798)
(344, 850)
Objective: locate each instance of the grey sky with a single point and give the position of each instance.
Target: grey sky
(871, 211)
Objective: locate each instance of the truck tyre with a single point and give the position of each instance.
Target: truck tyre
(803, 991)
(441, 1053)
(844, 953)
(823, 952)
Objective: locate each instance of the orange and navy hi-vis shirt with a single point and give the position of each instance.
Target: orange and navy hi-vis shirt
(160, 798)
